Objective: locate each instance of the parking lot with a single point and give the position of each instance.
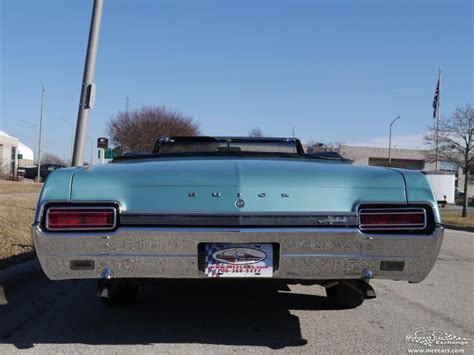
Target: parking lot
(38, 315)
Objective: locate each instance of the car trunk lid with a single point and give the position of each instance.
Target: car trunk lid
(215, 185)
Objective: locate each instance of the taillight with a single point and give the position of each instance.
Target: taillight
(392, 219)
(80, 218)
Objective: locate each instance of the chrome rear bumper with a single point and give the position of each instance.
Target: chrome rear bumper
(304, 253)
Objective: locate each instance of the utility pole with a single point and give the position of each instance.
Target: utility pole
(390, 141)
(43, 91)
(127, 104)
(87, 99)
(92, 149)
(437, 118)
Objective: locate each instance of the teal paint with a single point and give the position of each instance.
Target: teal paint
(164, 185)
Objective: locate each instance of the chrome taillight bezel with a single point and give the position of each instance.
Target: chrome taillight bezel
(105, 207)
(393, 227)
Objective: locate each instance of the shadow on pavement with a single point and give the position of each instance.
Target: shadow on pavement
(15, 259)
(203, 313)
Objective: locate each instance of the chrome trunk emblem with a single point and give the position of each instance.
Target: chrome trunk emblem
(240, 203)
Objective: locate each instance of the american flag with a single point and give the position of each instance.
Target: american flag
(436, 101)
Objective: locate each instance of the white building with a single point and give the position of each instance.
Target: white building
(25, 154)
(11, 149)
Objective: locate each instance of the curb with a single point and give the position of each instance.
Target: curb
(458, 228)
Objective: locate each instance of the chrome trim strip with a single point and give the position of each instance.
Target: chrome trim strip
(293, 255)
(127, 255)
(193, 213)
(349, 256)
(404, 212)
(243, 219)
(336, 231)
(397, 225)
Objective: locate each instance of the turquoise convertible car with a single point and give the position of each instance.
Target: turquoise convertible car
(213, 208)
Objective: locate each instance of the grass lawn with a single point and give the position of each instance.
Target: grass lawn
(17, 208)
(453, 217)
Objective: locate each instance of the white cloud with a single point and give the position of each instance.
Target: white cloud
(398, 141)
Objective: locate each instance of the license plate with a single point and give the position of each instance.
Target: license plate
(238, 260)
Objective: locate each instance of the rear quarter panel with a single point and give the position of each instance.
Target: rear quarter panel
(419, 190)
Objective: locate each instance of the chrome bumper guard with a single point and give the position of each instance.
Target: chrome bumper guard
(304, 253)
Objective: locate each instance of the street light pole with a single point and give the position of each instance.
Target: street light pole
(43, 91)
(72, 132)
(88, 87)
(390, 141)
(36, 136)
(92, 147)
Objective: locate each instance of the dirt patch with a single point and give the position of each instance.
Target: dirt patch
(17, 209)
(20, 187)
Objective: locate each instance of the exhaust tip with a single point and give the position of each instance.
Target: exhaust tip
(107, 273)
(367, 274)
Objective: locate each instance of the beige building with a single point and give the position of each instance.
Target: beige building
(415, 159)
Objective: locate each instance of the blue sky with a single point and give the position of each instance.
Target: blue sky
(336, 70)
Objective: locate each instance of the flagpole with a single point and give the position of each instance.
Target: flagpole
(437, 118)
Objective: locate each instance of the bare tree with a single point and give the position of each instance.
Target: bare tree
(256, 132)
(137, 130)
(455, 143)
(49, 158)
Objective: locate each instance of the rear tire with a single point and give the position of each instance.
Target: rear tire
(36, 178)
(117, 292)
(343, 296)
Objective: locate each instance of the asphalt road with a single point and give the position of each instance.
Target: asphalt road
(43, 316)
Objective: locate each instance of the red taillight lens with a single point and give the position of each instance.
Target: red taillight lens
(80, 218)
(392, 219)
